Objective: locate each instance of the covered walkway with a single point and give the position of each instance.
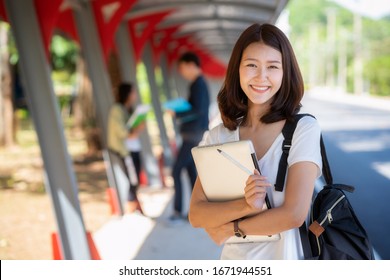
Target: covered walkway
(153, 32)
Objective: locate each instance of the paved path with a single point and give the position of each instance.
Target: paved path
(154, 237)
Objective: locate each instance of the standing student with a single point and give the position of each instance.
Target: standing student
(263, 88)
(133, 145)
(119, 133)
(193, 124)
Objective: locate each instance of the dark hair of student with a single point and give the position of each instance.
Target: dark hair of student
(124, 90)
(189, 57)
(232, 101)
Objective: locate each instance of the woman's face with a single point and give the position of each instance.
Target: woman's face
(131, 99)
(261, 73)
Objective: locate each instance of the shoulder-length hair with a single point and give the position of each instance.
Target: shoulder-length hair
(124, 90)
(232, 101)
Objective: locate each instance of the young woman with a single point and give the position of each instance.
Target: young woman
(119, 133)
(263, 88)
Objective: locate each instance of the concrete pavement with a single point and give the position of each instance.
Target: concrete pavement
(154, 237)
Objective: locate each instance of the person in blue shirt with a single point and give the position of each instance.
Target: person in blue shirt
(192, 124)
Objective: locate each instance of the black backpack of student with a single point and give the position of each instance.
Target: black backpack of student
(335, 232)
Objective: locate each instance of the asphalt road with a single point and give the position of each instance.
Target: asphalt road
(357, 137)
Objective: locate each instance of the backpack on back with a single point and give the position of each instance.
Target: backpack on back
(335, 232)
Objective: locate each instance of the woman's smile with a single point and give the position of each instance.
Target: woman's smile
(261, 72)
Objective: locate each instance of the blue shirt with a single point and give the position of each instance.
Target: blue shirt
(196, 121)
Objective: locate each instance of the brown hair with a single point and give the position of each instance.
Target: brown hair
(232, 101)
(189, 57)
(124, 90)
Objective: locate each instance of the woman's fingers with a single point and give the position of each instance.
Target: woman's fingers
(256, 189)
(254, 181)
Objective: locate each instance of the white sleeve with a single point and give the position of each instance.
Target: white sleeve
(305, 144)
(206, 140)
(218, 134)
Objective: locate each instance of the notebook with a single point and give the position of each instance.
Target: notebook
(223, 170)
(179, 105)
(139, 115)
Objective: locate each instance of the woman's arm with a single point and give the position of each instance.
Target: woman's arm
(291, 214)
(207, 214)
(136, 131)
(117, 127)
(203, 213)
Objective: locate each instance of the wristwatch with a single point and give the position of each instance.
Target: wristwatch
(237, 231)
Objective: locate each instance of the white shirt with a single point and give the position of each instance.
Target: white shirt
(305, 147)
(133, 144)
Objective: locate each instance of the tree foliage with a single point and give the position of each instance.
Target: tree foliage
(310, 36)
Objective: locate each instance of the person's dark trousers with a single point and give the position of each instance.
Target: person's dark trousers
(132, 195)
(136, 156)
(183, 161)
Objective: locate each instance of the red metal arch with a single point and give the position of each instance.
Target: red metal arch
(66, 24)
(47, 13)
(108, 15)
(140, 36)
(3, 14)
(160, 40)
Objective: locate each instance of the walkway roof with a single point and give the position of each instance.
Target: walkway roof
(214, 24)
(208, 27)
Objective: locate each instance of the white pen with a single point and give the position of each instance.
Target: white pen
(233, 160)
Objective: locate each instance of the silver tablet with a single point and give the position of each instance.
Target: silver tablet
(223, 170)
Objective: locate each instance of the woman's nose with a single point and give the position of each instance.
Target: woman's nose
(261, 73)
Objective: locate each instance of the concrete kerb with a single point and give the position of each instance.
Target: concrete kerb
(337, 96)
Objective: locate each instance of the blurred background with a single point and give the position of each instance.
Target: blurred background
(343, 48)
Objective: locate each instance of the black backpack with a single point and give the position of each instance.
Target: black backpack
(335, 232)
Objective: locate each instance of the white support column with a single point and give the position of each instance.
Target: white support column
(166, 77)
(170, 92)
(61, 180)
(102, 91)
(128, 66)
(150, 68)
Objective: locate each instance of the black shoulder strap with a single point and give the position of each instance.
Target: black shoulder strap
(288, 132)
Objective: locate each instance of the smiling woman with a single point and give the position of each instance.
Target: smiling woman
(261, 93)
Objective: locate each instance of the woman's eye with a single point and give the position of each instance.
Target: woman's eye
(251, 65)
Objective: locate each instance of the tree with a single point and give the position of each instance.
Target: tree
(352, 59)
(7, 119)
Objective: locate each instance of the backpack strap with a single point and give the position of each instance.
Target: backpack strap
(288, 132)
(307, 252)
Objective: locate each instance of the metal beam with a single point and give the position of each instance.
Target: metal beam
(101, 86)
(128, 67)
(169, 92)
(61, 180)
(156, 6)
(156, 102)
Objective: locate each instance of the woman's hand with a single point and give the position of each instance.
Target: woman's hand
(136, 131)
(171, 113)
(255, 190)
(220, 234)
